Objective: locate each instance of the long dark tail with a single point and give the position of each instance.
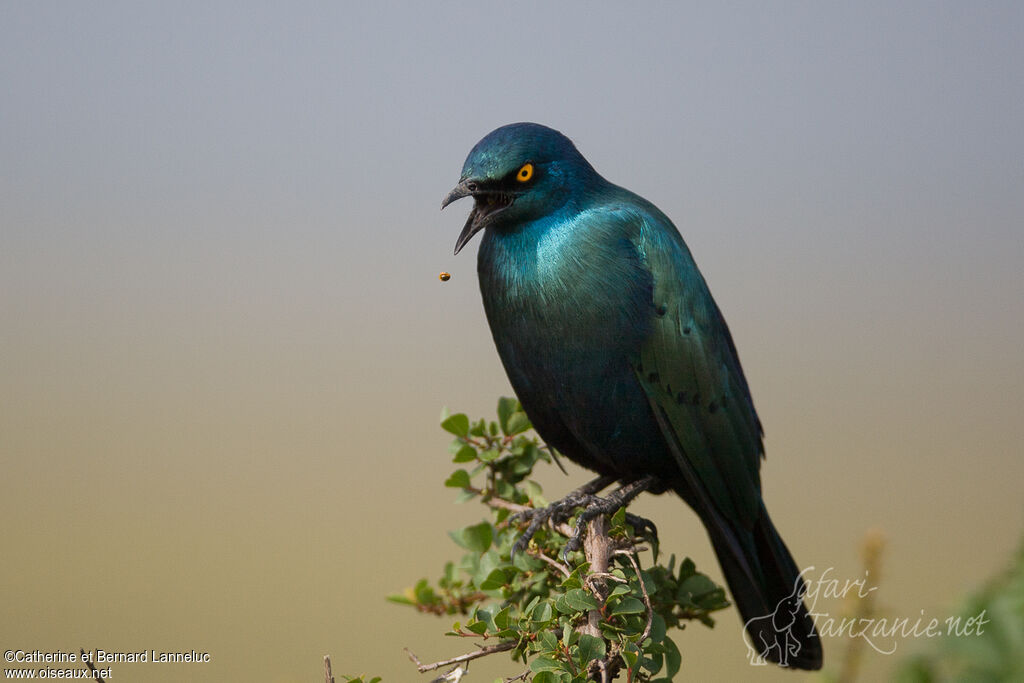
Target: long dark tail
(768, 591)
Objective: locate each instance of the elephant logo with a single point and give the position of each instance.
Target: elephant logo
(773, 634)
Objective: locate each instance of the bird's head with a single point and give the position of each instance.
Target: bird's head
(517, 173)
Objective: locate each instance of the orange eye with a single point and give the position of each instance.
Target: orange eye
(525, 173)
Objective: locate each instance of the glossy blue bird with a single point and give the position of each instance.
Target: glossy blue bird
(623, 361)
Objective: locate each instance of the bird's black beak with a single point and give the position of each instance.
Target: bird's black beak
(463, 189)
(474, 223)
(488, 203)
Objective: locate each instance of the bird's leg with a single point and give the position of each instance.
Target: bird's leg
(618, 498)
(558, 511)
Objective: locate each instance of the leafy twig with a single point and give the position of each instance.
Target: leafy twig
(554, 563)
(578, 617)
(643, 589)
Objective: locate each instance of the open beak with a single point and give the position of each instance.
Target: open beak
(487, 204)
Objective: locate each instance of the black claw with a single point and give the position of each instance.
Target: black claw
(519, 546)
(642, 526)
(564, 555)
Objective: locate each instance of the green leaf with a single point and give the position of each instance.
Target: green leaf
(484, 615)
(458, 480)
(504, 489)
(477, 537)
(620, 589)
(400, 599)
(423, 593)
(489, 455)
(631, 657)
(654, 662)
(611, 632)
(503, 619)
(524, 459)
(673, 660)
(457, 424)
(590, 648)
(465, 495)
(524, 562)
(543, 612)
(477, 627)
(629, 606)
(489, 561)
(548, 640)
(517, 424)
(465, 454)
(695, 587)
(575, 579)
(494, 581)
(657, 628)
(546, 664)
(506, 407)
(580, 600)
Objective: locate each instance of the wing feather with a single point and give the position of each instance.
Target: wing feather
(689, 368)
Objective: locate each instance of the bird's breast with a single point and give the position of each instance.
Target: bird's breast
(569, 310)
(564, 294)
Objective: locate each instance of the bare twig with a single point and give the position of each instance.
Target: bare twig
(554, 563)
(454, 675)
(504, 504)
(597, 547)
(469, 656)
(643, 589)
(328, 674)
(520, 677)
(594, 577)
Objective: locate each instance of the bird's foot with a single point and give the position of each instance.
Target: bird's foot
(619, 498)
(593, 506)
(558, 511)
(641, 525)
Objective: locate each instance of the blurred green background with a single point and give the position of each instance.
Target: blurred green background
(224, 344)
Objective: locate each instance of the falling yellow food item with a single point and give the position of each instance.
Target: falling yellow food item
(445, 276)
